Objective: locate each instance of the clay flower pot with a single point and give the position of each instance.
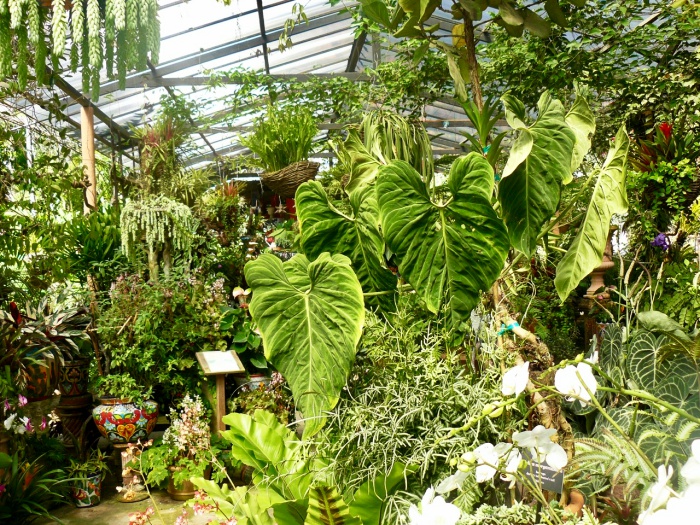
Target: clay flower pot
(86, 492)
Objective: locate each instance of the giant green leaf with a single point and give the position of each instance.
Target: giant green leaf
(529, 195)
(310, 315)
(452, 249)
(363, 165)
(327, 507)
(325, 229)
(581, 120)
(609, 197)
(368, 501)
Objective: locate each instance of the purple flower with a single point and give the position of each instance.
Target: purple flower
(7, 405)
(28, 426)
(661, 241)
(22, 400)
(2, 488)
(43, 423)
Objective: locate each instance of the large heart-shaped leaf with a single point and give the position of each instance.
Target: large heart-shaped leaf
(581, 120)
(529, 195)
(310, 315)
(609, 197)
(325, 229)
(450, 250)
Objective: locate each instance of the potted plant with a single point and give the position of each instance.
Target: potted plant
(86, 479)
(273, 396)
(281, 140)
(185, 451)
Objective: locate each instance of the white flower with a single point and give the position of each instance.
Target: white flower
(568, 383)
(434, 511)
(691, 470)
(515, 380)
(512, 464)
(487, 461)
(660, 492)
(539, 441)
(8, 422)
(453, 482)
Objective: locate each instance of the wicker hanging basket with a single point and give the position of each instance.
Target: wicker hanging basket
(286, 181)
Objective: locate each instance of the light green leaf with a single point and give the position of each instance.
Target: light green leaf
(325, 229)
(537, 25)
(453, 250)
(310, 315)
(530, 195)
(509, 14)
(363, 165)
(516, 115)
(522, 146)
(376, 11)
(456, 74)
(291, 512)
(611, 351)
(326, 507)
(368, 501)
(608, 198)
(581, 120)
(555, 12)
(660, 322)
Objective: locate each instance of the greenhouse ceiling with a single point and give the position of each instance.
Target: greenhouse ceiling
(200, 38)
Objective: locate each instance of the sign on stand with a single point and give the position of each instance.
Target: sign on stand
(543, 475)
(219, 364)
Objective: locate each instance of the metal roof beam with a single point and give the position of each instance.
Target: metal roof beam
(139, 79)
(261, 22)
(356, 51)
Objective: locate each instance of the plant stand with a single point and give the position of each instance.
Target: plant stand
(133, 485)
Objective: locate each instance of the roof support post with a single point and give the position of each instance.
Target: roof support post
(261, 20)
(87, 139)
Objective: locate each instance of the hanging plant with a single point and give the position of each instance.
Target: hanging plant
(162, 225)
(94, 33)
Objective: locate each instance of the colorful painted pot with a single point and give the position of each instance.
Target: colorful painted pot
(41, 375)
(86, 492)
(122, 421)
(74, 377)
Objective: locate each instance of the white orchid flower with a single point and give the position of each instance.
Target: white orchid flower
(539, 441)
(568, 382)
(691, 469)
(660, 492)
(515, 380)
(451, 483)
(9, 421)
(512, 465)
(487, 460)
(434, 511)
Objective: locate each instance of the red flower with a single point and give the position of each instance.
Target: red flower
(14, 311)
(666, 129)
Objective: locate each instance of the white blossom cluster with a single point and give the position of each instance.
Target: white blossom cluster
(189, 428)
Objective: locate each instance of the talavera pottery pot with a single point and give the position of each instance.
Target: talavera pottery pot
(86, 492)
(122, 421)
(73, 379)
(41, 375)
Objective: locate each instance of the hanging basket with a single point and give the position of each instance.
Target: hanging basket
(286, 181)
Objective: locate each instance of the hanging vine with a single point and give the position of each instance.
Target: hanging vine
(96, 33)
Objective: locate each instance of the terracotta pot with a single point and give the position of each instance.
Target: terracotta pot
(122, 421)
(186, 490)
(86, 492)
(73, 378)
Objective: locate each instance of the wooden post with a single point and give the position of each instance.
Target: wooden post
(220, 402)
(87, 136)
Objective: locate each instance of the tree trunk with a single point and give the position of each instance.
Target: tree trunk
(152, 264)
(470, 41)
(167, 259)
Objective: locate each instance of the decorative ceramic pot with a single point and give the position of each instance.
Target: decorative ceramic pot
(86, 492)
(73, 379)
(42, 375)
(186, 490)
(252, 382)
(122, 421)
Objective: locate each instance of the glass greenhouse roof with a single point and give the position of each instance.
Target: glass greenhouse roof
(201, 37)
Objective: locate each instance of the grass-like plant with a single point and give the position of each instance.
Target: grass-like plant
(280, 137)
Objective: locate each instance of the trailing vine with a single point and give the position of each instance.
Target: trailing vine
(131, 34)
